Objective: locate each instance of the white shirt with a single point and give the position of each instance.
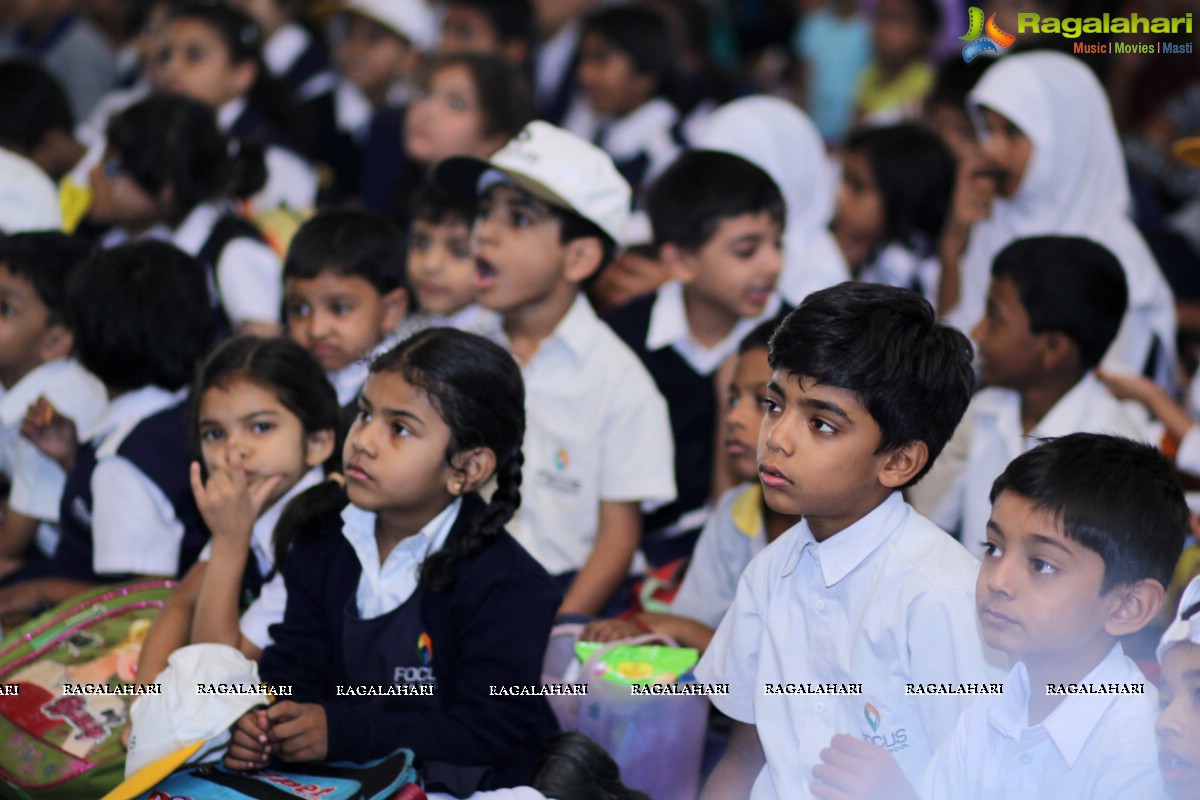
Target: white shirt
(647, 130)
(134, 528)
(384, 587)
(348, 381)
(669, 327)
(37, 479)
(955, 492)
(596, 429)
(888, 601)
(472, 318)
(28, 198)
(291, 181)
(734, 534)
(1092, 746)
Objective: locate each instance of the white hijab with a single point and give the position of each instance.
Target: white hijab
(1074, 184)
(778, 137)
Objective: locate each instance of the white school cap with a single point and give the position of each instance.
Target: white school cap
(1183, 630)
(412, 20)
(553, 165)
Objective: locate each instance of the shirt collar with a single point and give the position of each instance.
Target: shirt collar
(130, 408)
(624, 137)
(197, 226)
(358, 526)
(840, 554)
(282, 49)
(575, 332)
(669, 327)
(227, 115)
(263, 533)
(1065, 416)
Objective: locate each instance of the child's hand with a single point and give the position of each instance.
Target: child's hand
(1128, 387)
(856, 769)
(51, 432)
(299, 730)
(228, 503)
(249, 748)
(610, 630)
(975, 190)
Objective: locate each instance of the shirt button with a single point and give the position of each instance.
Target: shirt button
(1026, 759)
(820, 605)
(819, 707)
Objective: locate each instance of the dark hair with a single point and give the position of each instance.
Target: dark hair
(914, 172)
(572, 226)
(46, 260)
(34, 104)
(505, 99)
(173, 141)
(476, 387)
(954, 80)
(760, 337)
(643, 34)
(702, 188)
(573, 767)
(352, 243)
(430, 204)
(912, 373)
(1068, 285)
(1115, 496)
(929, 15)
(512, 19)
(141, 314)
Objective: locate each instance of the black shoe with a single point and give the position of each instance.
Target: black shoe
(573, 767)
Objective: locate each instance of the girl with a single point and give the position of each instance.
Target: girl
(417, 588)
(263, 419)
(891, 205)
(167, 173)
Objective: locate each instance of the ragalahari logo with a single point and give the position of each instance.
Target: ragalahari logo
(996, 39)
(873, 716)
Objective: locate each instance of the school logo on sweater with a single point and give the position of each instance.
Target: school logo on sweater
(893, 740)
(421, 675)
(995, 40)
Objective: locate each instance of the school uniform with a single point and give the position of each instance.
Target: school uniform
(291, 181)
(353, 621)
(655, 328)
(954, 493)
(890, 600)
(642, 143)
(28, 198)
(897, 265)
(473, 318)
(1093, 745)
(127, 506)
(294, 56)
(554, 72)
(596, 429)
(735, 533)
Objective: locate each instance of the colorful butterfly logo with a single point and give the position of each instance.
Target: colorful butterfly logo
(996, 39)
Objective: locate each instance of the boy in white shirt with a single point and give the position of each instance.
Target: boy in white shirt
(1084, 534)
(1054, 306)
(834, 618)
(598, 439)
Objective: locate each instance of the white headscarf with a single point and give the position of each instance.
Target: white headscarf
(1183, 630)
(778, 137)
(1074, 185)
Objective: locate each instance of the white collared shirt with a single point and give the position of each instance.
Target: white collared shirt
(645, 130)
(596, 430)
(888, 601)
(384, 587)
(669, 328)
(1092, 746)
(348, 381)
(955, 492)
(285, 46)
(291, 181)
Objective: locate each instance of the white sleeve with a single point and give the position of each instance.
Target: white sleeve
(264, 612)
(732, 655)
(134, 529)
(1188, 457)
(250, 280)
(37, 483)
(712, 577)
(946, 777)
(637, 450)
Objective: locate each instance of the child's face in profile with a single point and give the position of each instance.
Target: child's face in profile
(744, 412)
(1008, 350)
(447, 119)
(23, 326)
(370, 55)
(441, 266)
(736, 269)
(609, 79)
(1178, 725)
(194, 62)
(858, 222)
(467, 29)
(1006, 149)
(897, 33)
(339, 318)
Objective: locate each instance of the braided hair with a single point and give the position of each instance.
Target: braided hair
(476, 387)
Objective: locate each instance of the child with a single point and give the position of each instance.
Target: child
(141, 322)
(168, 174)
(945, 111)
(37, 120)
(345, 290)
(718, 224)
(262, 419)
(1083, 536)
(1054, 307)
(35, 349)
(441, 267)
(895, 192)
(1178, 725)
(499, 27)
(868, 387)
(738, 529)
(289, 51)
(598, 444)
(894, 86)
(833, 44)
(418, 558)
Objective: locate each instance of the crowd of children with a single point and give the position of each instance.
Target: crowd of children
(398, 332)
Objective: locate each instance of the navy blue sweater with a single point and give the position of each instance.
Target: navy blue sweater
(491, 628)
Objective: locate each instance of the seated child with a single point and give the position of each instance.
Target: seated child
(35, 366)
(738, 529)
(262, 419)
(1053, 309)
(864, 593)
(141, 321)
(1178, 724)
(893, 87)
(1084, 533)
(718, 224)
(598, 442)
(499, 27)
(345, 291)
(417, 584)
(37, 122)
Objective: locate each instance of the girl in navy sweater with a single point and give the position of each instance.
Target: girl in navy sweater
(416, 589)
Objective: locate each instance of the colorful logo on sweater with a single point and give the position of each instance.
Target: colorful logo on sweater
(425, 649)
(562, 459)
(873, 716)
(995, 40)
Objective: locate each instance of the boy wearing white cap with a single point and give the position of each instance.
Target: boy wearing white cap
(1178, 725)
(598, 439)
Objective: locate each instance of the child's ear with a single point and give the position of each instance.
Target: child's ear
(1135, 606)
(244, 75)
(582, 259)
(903, 464)
(680, 264)
(318, 447)
(1057, 350)
(57, 342)
(472, 469)
(395, 306)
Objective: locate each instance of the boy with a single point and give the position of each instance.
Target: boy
(894, 86)
(1054, 306)
(503, 27)
(718, 222)
(35, 345)
(864, 593)
(1084, 534)
(1178, 724)
(597, 443)
(344, 291)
